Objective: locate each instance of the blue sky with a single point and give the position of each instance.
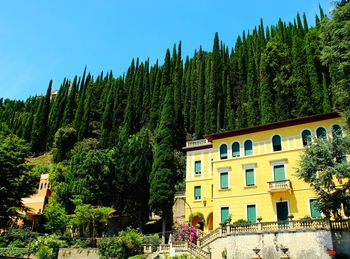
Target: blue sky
(42, 40)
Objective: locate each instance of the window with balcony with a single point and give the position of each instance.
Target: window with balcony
(198, 167)
(236, 150)
(251, 213)
(224, 180)
(249, 177)
(224, 214)
(314, 210)
(197, 192)
(223, 151)
(248, 148)
(276, 143)
(321, 133)
(306, 137)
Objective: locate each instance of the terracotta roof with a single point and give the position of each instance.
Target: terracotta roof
(275, 125)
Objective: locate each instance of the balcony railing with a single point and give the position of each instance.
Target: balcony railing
(278, 186)
(197, 143)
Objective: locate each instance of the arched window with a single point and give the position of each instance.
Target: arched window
(306, 137)
(223, 151)
(235, 150)
(321, 133)
(248, 148)
(337, 131)
(276, 143)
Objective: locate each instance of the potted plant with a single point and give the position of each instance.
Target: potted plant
(291, 216)
(259, 219)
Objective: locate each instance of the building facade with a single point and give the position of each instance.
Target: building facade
(251, 173)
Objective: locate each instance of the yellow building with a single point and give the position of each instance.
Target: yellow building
(250, 173)
(36, 202)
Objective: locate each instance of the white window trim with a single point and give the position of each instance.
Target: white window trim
(228, 150)
(240, 148)
(245, 167)
(272, 142)
(246, 210)
(309, 205)
(224, 170)
(276, 163)
(301, 136)
(229, 211)
(252, 146)
(276, 207)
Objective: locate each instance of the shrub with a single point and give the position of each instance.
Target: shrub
(184, 232)
(153, 240)
(14, 252)
(240, 221)
(45, 243)
(127, 243)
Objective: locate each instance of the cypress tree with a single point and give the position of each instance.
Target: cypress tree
(68, 115)
(163, 176)
(199, 122)
(326, 104)
(215, 81)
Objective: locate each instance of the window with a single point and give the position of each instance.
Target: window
(197, 192)
(279, 173)
(276, 143)
(223, 151)
(314, 210)
(248, 148)
(45, 185)
(321, 133)
(249, 177)
(41, 186)
(251, 213)
(336, 131)
(225, 214)
(306, 137)
(235, 150)
(197, 167)
(224, 180)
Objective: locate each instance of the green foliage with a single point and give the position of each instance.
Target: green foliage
(240, 221)
(16, 180)
(88, 217)
(14, 252)
(152, 240)
(64, 141)
(325, 168)
(55, 215)
(43, 245)
(127, 243)
(335, 36)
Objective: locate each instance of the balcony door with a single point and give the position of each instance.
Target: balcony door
(282, 210)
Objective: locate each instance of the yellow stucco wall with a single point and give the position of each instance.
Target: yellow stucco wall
(238, 196)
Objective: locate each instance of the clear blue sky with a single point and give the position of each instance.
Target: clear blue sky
(42, 40)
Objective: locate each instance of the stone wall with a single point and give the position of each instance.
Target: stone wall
(78, 253)
(301, 244)
(341, 242)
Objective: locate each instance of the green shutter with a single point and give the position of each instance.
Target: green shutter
(235, 150)
(197, 192)
(249, 177)
(251, 213)
(279, 173)
(315, 212)
(223, 151)
(248, 148)
(224, 180)
(197, 166)
(224, 214)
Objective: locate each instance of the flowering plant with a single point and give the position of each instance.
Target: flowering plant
(183, 232)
